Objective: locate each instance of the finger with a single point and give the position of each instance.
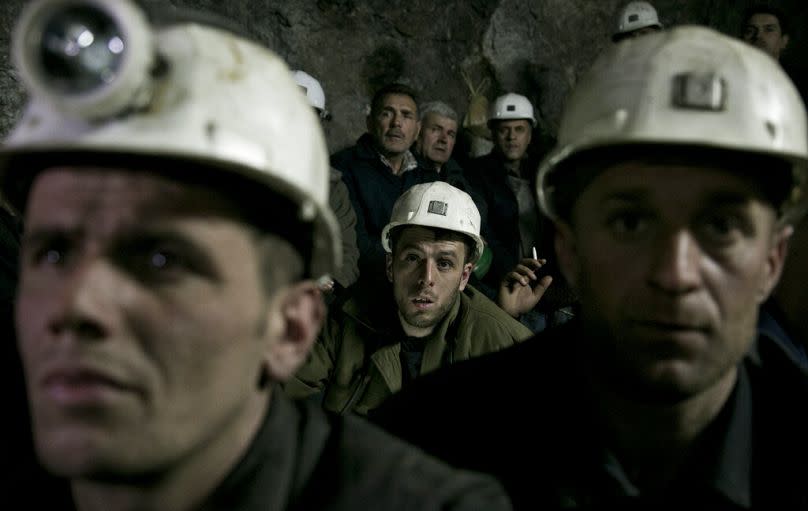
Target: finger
(516, 277)
(524, 270)
(542, 285)
(535, 264)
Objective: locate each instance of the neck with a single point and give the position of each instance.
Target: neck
(188, 482)
(653, 441)
(412, 330)
(396, 162)
(513, 167)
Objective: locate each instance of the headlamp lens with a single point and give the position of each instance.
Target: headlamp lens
(81, 49)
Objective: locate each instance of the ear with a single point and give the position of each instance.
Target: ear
(775, 260)
(417, 129)
(369, 123)
(567, 252)
(784, 42)
(301, 313)
(388, 258)
(464, 277)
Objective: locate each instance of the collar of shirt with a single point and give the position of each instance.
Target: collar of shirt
(721, 466)
(408, 163)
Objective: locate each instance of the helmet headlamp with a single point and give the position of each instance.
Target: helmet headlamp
(87, 58)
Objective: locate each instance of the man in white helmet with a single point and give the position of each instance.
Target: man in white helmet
(673, 213)
(373, 346)
(338, 197)
(502, 179)
(517, 233)
(636, 19)
(174, 183)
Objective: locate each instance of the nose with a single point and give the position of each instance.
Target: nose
(395, 120)
(85, 301)
(675, 265)
(427, 273)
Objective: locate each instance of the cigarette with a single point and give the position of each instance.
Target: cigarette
(535, 256)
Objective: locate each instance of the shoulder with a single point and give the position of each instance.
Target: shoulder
(346, 159)
(484, 316)
(375, 466)
(497, 378)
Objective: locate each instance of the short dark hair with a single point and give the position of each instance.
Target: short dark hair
(765, 9)
(392, 88)
(440, 235)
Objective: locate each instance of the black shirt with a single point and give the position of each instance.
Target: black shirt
(525, 415)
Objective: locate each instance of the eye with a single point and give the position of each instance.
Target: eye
(158, 262)
(50, 252)
(628, 222)
(410, 258)
(445, 264)
(724, 228)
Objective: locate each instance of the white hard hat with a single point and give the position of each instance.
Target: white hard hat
(635, 16)
(690, 87)
(182, 92)
(439, 205)
(312, 88)
(511, 106)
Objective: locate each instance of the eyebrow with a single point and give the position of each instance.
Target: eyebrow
(717, 198)
(38, 235)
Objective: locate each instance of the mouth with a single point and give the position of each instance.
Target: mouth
(681, 330)
(81, 386)
(422, 303)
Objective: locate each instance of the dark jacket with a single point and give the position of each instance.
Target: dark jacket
(340, 202)
(488, 177)
(303, 459)
(525, 415)
(373, 189)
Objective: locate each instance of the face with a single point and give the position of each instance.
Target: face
(437, 138)
(395, 126)
(427, 274)
(142, 322)
(512, 138)
(763, 30)
(671, 263)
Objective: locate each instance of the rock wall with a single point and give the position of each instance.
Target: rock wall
(538, 47)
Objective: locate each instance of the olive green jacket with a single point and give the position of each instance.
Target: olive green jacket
(356, 361)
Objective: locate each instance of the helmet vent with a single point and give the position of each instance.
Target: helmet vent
(699, 91)
(771, 129)
(437, 207)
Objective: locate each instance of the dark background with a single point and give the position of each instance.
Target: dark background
(538, 48)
